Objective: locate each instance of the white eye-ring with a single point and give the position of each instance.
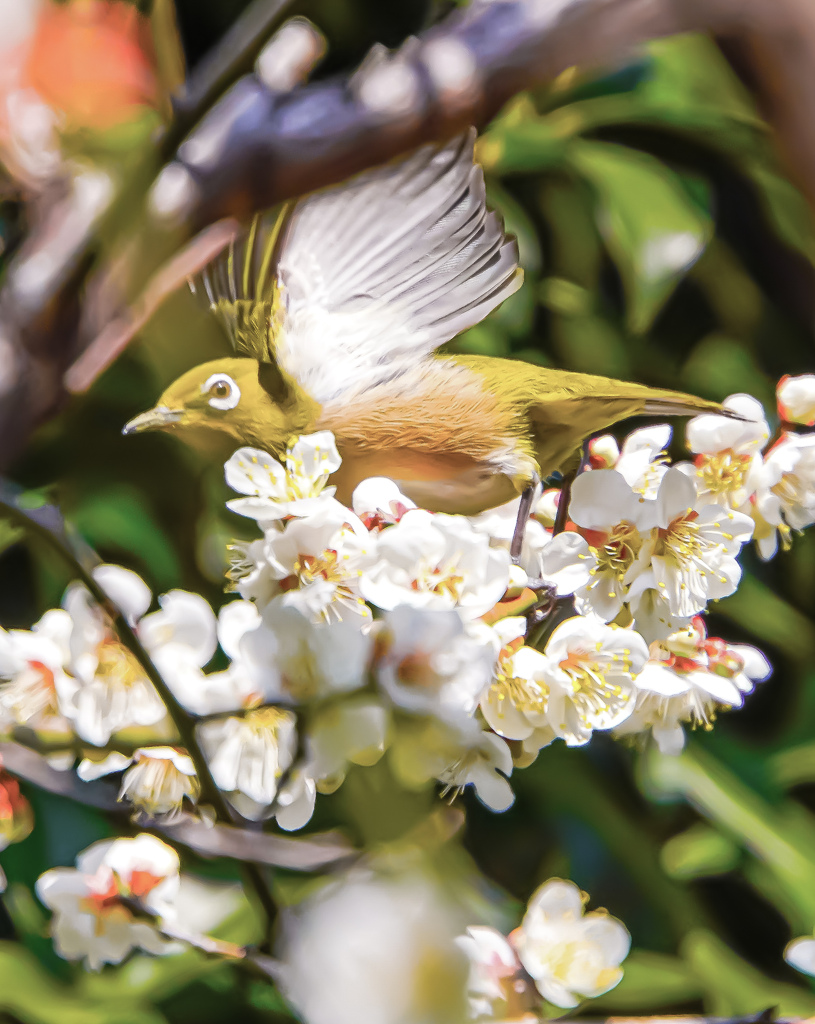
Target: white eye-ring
(223, 392)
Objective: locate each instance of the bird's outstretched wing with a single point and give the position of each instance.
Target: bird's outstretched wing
(372, 275)
(240, 287)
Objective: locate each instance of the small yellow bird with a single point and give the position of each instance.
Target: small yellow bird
(335, 311)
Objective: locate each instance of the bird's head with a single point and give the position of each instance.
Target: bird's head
(252, 403)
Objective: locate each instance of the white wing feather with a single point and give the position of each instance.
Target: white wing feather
(377, 273)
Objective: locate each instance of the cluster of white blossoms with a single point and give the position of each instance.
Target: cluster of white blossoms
(386, 630)
(389, 949)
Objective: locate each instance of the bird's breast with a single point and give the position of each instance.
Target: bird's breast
(444, 482)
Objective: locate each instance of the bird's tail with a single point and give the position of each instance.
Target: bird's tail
(675, 403)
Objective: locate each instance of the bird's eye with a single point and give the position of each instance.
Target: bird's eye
(222, 391)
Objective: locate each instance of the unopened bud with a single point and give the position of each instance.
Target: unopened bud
(16, 816)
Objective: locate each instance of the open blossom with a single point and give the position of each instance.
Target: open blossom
(571, 955)
(248, 755)
(691, 550)
(590, 669)
(515, 705)
(102, 907)
(728, 452)
(610, 518)
(786, 495)
(642, 461)
(159, 782)
(114, 692)
(274, 492)
(375, 950)
(497, 989)
(35, 688)
(317, 562)
(294, 659)
(430, 664)
(436, 562)
(796, 399)
(688, 678)
(483, 763)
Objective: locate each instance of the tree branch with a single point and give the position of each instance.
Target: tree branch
(257, 147)
(315, 853)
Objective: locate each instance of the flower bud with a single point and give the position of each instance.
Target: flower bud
(16, 816)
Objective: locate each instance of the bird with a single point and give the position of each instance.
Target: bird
(335, 308)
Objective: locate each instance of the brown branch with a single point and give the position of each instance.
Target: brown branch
(315, 853)
(257, 147)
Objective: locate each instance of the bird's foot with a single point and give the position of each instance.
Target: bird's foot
(544, 606)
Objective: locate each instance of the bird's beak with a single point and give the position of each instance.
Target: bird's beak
(153, 419)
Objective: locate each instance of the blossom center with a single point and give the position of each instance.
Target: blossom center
(34, 692)
(593, 691)
(723, 472)
(616, 550)
(527, 695)
(117, 665)
(438, 580)
(309, 568)
(680, 540)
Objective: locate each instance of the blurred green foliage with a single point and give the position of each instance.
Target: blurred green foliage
(661, 242)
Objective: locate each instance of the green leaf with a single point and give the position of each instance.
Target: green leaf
(699, 852)
(771, 619)
(652, 229)
(119, 517)
(733, 987)
(781, 836)
(650, 981)
(30, 994)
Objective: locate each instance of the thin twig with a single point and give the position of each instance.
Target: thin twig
(318, 852)
(182, 720)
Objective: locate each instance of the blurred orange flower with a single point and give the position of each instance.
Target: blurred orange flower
(93, 60)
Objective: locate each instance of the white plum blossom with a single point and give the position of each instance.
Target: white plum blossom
(102, 908)
(159, 782)
(317, 562)
(692, 550)
(351, 731)
(515, 705)
(571, 955)
(496, 987)
(653, 618)
(610, 517)
(484, 763)
(436, 562)
(375, 949)
(295, 660)
(796, 399)
(786, 495)
(378, 502)
(728, 452)
(430, 664)
(274, 492)
(248, 755)
(590, 669)
(688, 678)
(114, 692)
(35, 689)
(642, 460)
